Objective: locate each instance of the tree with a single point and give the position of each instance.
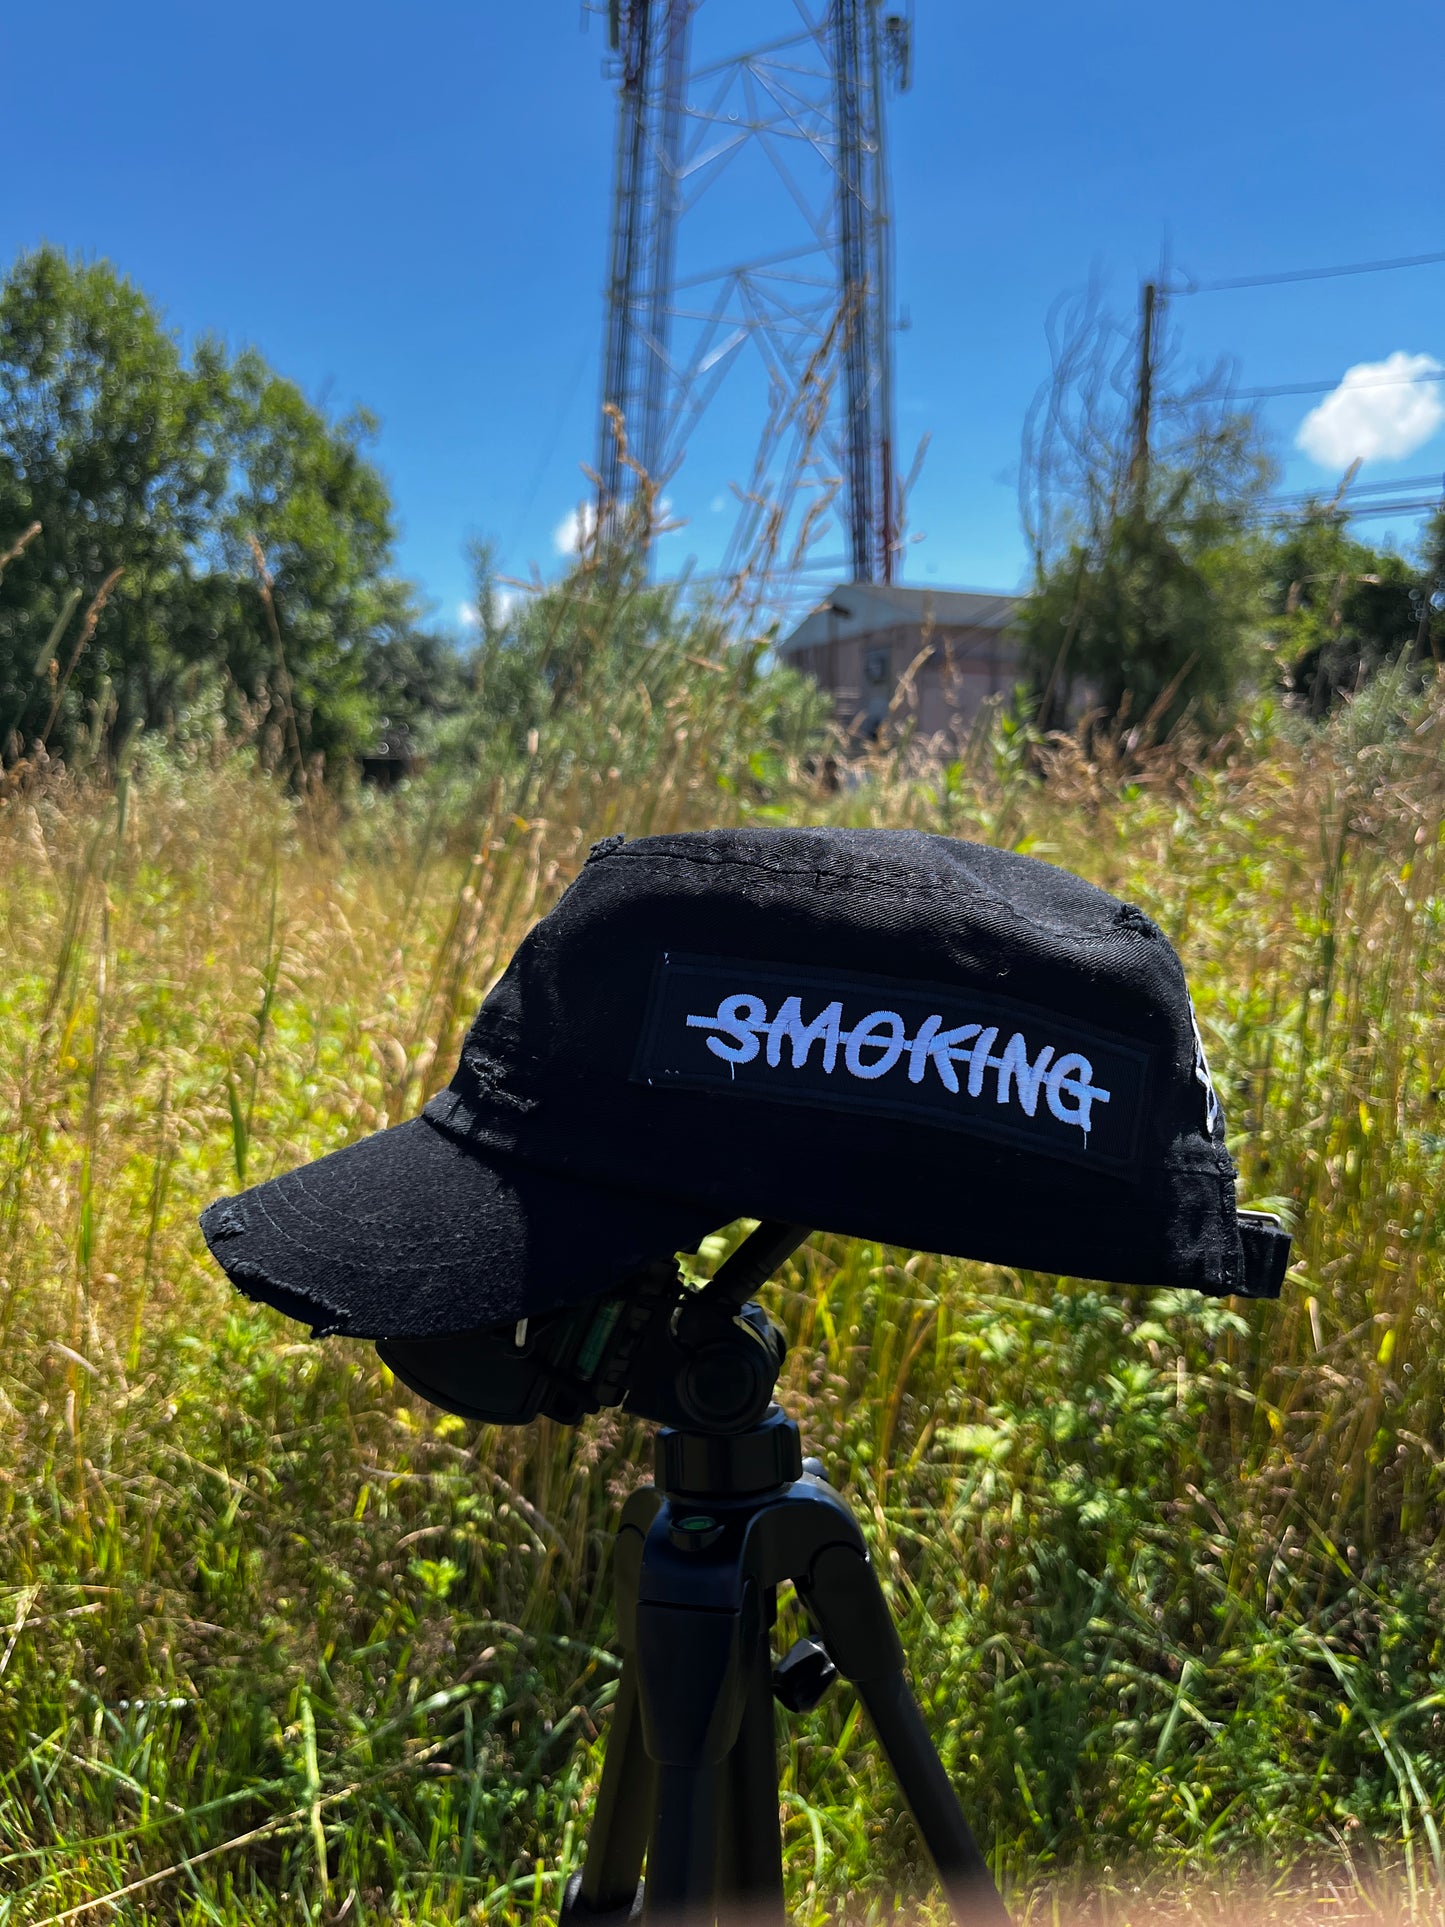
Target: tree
(1139, 498)
(113, 446)
(1430, 630)
(604, 663)
(1341, 609)
(252, 535)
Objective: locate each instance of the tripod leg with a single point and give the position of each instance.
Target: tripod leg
(928, 1792)
(750, 1847)
(846, 1602)
(695, 1666)
(682, 1853)
(618, 1835)
(608, 1885)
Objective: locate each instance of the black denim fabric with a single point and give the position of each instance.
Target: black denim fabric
(586, 1130)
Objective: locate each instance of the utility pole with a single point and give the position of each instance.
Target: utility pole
(1149, 307)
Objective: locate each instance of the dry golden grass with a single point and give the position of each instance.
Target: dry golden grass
(1170, 1574)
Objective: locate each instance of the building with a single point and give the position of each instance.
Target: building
(860, 641)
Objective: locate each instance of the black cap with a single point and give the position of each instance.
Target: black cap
(875, 1032)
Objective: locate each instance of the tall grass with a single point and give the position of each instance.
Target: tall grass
(279, 1643)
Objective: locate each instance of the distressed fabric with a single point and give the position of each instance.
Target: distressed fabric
(406, 1233)
(879, 1033)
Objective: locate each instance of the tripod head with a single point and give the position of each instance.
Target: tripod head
(703, 1359)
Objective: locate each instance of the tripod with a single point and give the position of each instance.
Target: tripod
(690, 1777)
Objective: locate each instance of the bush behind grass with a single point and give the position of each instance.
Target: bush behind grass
(277, 1642)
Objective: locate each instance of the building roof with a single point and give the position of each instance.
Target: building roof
(863, 608)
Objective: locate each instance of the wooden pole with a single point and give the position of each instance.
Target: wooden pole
(1144, 401)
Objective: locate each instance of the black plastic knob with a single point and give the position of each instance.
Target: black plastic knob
(803, 1675)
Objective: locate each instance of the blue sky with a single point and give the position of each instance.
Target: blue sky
(407, 207)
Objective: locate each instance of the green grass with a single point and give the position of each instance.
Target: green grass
(278, 1643)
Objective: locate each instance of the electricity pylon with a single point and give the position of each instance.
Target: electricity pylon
(794, 126)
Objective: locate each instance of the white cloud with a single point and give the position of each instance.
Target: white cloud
(467, 615)
(1382, 409)
(574, 529)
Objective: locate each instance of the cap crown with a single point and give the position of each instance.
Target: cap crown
(881, 1033)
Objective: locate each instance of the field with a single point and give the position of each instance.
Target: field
(278, 1643)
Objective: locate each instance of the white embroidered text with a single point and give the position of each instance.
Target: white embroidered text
(878, 1045)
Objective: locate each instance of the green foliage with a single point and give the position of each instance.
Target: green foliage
(284, 1643)
(1147, 592)
(214, 554)
(1160, 619)
(1160, 591)
(605, 664)
(305, 492)
(1342, 610)
(1434, 556)
(179, 480)
(115, 447)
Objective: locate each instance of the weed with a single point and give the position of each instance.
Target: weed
(279, 1643)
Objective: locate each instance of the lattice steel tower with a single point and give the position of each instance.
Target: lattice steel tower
(790, 130)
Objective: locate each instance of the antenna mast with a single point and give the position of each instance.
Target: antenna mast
(793, 131)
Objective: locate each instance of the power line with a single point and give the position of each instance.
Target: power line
(1425, 506)
(1398, 483)
(1318, 387)
(1291, 509)
(1309, 274)
(1308, 505)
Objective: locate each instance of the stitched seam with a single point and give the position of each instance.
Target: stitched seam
(911, 882)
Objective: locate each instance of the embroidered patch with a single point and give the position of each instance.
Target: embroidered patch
(935, 1056)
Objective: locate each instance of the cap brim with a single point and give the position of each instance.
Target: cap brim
(410, 1234)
